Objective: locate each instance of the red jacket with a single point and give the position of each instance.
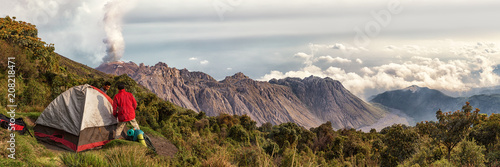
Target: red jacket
(124, 106)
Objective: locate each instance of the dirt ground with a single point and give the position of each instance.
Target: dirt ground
(163, 146)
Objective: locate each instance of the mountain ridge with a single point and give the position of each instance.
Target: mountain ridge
(308, 102)
(421, 103)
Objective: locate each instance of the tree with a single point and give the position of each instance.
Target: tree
(266, 127)
(228, 120)
(487, 131)
(324, 136)
(248, 123)
(452, 127)
(286, 133)
(401, 143)
(238, 133)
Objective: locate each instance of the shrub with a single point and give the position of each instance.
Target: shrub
(249, 156)
(219, 159)
(238, 133)
(289, 157)
(401, 143)
(468, 153)
(286, 133)
(442, 163)
(271, 147)
(248, 123)
(227, 120)
(427, 153)
(266, 127)
(201, 124)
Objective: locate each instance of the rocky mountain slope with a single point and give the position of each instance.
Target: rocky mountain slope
(421, 103)
(308, 102)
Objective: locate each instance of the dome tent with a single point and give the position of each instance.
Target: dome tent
(79, 119)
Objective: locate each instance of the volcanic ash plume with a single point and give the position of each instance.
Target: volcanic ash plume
(115, 45)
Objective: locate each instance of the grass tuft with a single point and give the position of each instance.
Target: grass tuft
(83, 159)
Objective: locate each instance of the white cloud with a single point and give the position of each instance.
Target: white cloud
(169, 30)
(305, 56)
(338, 46)
(302, 55)
(391, 48)
(419, 50)
(346, 48)
(367, 71)
(330, 59)
(359, 61)
(75, 27)
(472, 67)
(204, 62)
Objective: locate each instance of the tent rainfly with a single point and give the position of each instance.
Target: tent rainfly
(79, 119)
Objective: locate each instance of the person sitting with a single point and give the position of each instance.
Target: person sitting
(106, 87)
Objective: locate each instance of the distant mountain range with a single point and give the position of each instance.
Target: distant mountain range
(421, 103)
(476, 91)
(308, 102)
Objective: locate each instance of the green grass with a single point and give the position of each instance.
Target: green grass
(118, 143)
(115, 153)
(150, 131)
(30, 115)
(28, 151)
(83, 159)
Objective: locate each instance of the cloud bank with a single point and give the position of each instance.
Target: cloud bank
(469, 66)
(270, 38)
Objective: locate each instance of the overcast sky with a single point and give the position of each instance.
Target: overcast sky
(369, 46)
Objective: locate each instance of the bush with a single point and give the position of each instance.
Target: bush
(493, 156)
(289, 157)
(266, 127)
(238, 133)
(227, 120)
(249, 156)
(468, 153)
(220, 159)
(248, 123)
(401, 143)
(271, 147)
(426, 154)
(442, 163)
(286, 134)
(202, 124)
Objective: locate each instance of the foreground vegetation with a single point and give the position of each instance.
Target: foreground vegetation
(460, 138)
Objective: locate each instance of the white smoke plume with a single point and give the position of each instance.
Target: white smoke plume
(77, 28)
(115, 44)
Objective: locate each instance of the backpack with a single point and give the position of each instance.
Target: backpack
(20, 125)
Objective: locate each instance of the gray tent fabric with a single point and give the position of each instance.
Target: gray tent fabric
(98, 110)
(78, 108)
